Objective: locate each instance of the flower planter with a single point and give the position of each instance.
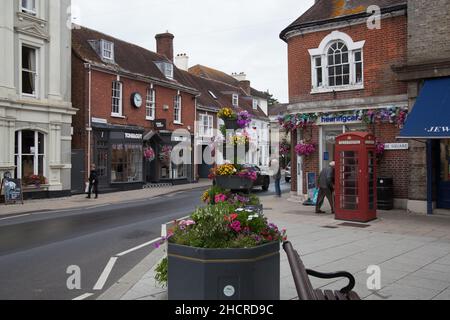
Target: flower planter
(224, 274)
(231, 124)
(234, 183)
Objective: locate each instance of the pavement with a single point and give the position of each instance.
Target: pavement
(80, 201)
(412, 252)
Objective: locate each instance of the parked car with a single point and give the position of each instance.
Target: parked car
(263, 179)
(288, 173)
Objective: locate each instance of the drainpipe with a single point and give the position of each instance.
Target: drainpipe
(89, 128)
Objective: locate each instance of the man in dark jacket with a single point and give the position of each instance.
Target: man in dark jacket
(93, 182)
(326, 188)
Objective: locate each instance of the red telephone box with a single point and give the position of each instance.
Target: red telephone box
(356, 177)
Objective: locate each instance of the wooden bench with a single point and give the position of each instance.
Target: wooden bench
(304, 287)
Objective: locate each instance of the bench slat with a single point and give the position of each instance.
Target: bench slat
(329, 295)
(319, 294)
(353, 296)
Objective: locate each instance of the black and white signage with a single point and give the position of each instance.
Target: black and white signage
(396, 146)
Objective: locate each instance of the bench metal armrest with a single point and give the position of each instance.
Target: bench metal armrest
(340, 274)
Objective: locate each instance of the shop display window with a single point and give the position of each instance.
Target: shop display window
(126, 163)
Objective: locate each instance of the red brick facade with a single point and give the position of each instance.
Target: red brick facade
(382, 49)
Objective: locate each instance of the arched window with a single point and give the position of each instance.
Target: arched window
(29, 153)
(337, 64)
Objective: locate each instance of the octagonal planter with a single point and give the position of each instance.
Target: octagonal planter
(224, 274)
(234, 183)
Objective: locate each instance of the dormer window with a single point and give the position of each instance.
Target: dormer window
(29, 6)
(255, 104)
(107, 50)
(235, 100)
(166, 68)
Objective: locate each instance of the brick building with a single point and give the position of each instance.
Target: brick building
(427, 74)
(341, 80)
(130, 103)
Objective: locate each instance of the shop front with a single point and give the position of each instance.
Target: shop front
(172, 160)
(429, 122)
(118, 157)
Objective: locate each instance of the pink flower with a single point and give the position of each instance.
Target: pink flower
(236, 226)
(220, 198)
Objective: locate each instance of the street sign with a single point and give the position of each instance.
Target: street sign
(396, 146)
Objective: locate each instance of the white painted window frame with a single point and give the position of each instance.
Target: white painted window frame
(35, 155)
(206, 130)
(322, 52)
(37, 81)
(235, 100)
(150, 104)
(107, 49)
(255, 104)
(177, 109)
(113, 97)
(30, 8)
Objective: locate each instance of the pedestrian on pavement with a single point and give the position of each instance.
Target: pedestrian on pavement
(326, 188)
(93, 182)
(276, 169)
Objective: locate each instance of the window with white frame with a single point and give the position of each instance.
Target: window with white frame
(206, 125)
(117, 95)
(29, 154)
(29, 71)
(255, 104)
(28, 6)
(235, 100)
(150, 105)
(177, 108)
(107, 48)
(337, 64)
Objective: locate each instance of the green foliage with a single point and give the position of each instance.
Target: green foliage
(162, 271)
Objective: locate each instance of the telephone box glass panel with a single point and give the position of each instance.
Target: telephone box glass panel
(349, 180)
(371, 176)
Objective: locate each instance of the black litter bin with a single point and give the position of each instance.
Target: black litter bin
(385, 193)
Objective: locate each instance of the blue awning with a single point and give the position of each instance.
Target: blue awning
(430, 117)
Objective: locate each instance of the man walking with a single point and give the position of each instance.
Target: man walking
(276, 169)
(326, 188)
(93, 182)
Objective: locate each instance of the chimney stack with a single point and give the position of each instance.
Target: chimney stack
(182, 61)
(164, 45)
(239, 76)
(245, 85)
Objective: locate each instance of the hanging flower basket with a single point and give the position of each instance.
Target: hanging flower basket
(305, 149)
(149, 154)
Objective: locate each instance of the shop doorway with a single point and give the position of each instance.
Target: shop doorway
(204, 169)
(78, 174)
(443, 200)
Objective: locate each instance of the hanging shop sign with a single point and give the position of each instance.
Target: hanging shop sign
(160, 124)
(133, 136)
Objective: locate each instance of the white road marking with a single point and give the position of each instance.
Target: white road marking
(138, 247)
(13, 217)
(83, 297)
(105, 274)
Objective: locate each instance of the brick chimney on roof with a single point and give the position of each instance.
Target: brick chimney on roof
(164, 45)
(245, 85)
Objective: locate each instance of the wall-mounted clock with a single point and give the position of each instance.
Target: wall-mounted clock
(136, 100)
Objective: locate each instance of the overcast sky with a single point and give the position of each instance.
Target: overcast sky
(229, 35)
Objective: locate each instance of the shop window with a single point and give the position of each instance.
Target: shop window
(29, 71)
(29, 154)
(126, 163)
(170, 170)
(445, 160)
